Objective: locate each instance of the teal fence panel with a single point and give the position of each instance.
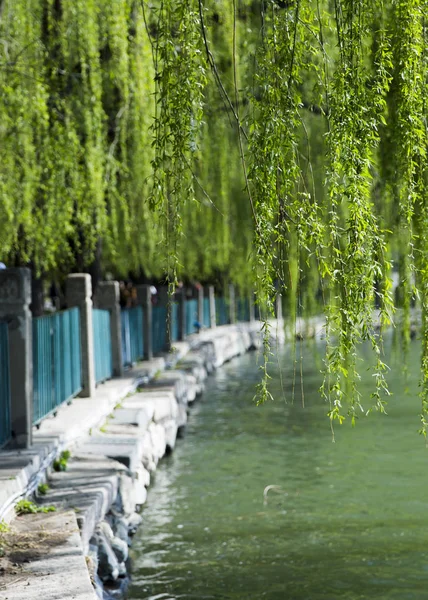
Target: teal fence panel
(175, 323)
(159, 315)
(243, 309)
(57, 369)
(132, 335)
(102, 344)
(221, 311)
(191, 308)
(207, 317)
(4, 385)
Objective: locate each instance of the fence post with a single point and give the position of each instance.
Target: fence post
(211, 296)
(107, 297)
(232, 304)
(166, 301)
(144, 297)
(15, 299)
(79, 293)
(181, 299)
(200, 291)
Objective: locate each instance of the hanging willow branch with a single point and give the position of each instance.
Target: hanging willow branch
(180, 79)
(357, 103)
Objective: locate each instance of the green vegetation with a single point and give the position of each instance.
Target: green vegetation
(275, 143)
(26, 507)
(4, 527)
(43, 489)
(100, 141)
(60, 463)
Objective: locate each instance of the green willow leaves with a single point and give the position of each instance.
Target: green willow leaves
(277, 144)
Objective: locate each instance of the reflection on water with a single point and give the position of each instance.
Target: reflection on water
(348, 520)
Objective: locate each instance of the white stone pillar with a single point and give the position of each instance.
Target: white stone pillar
(181, 300)
(108, 298)
(79, 293)
(165, 301)
(200, 292)
(211, 296)
(144, 297)
(15, 299)
(232, 304)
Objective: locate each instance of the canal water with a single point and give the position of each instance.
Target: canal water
(346, 520)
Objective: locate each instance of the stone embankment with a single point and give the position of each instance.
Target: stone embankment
(99, 484)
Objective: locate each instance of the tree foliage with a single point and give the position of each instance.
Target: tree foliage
(282, 142)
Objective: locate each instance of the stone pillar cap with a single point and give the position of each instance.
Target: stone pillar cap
(15, 286)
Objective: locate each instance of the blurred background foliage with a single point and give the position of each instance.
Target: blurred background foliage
(280, 141)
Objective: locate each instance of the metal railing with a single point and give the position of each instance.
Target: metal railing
(57, 375)
(207, 315)
(243, 309)
(132, 335)
(221, 311)
(191, 309)
(4, 385)
(159, 314)
(102, 345)
(175, 324)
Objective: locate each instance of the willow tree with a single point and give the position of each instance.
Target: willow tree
(360, 68)
(280, 143)
(76, 105)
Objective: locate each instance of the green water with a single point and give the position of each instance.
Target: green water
(349, 520)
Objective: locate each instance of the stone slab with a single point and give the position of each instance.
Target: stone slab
(152, 391)
(149, 368)
(19, 470)
(126, 450)
(154, 387)
(89, 486)
(175, 380)
(139, 417)
(170, 376)
(178, 351)
(51, 566)
(163, 406)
